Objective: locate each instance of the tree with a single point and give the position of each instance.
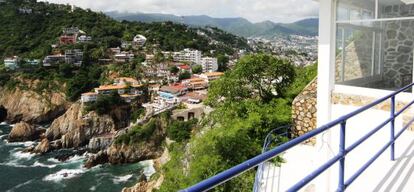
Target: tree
(65, 70)
(174, 69)
(184, 75)
(197, 69)
(222, 62)
(255, 76)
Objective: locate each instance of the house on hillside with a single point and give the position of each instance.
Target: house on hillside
(138, 41)
(12, 63)
(211, 76)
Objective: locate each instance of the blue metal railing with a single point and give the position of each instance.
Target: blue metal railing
(340, 157)
(274, 138)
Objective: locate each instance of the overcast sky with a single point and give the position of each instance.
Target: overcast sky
(253, 10)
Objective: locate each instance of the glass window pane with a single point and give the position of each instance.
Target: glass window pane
(395, 8)
(355, 10)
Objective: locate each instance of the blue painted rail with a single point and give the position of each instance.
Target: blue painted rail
(340, 157)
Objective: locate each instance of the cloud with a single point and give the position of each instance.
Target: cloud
(254, 10)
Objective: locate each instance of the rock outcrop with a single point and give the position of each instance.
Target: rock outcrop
(23, 132)
(32, 107)
(43, 147)
(100, 143)
(97, 159)
(147, 148)
(75, 129)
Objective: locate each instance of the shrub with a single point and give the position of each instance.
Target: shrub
(180, 131)
(104, 103)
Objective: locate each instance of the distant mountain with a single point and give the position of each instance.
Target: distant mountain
(238, 26)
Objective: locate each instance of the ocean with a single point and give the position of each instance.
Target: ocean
(25, 172)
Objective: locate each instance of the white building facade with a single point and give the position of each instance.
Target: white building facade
(209, 64)
(188, 55)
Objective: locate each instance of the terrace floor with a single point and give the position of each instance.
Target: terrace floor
(382, 175)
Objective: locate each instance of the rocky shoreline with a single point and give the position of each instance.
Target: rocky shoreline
(71, 127)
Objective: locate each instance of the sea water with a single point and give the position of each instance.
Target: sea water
(23, 172)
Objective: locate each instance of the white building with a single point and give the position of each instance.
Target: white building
(139, 41)
(209, 64)
(84, 38)
(12, 63)
(188, 55)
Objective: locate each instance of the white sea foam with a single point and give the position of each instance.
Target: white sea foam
(149, 169)
(3, 136)
(25, 144)
(3, 123)
(63, 174)
(121, 179)
(38, 164)
(20, 155)
(13, 164)
(53, 160)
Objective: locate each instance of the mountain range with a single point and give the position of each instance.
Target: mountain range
(238, 26)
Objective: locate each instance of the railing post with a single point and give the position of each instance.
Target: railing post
(392, 149)
(341, 182)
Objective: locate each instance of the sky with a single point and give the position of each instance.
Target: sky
(254, 10)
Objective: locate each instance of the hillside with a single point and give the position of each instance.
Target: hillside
(238, 26)
(30, 27)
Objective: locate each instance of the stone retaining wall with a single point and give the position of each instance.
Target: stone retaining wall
(304, 111)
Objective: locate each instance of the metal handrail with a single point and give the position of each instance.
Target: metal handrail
(342, 184)
(271, 137)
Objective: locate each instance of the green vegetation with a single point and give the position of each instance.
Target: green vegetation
(184, 75)
(31, 34)
(138, 133)
(105, 103)
(174, 69)
(253, 106)
(181, 131)
(197, 69)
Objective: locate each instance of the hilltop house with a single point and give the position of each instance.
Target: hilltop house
(128, 88)
(138, 41)
(12, 63)
(72, 56)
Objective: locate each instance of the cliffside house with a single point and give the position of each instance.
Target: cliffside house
(12, 63)
(70, 36)
(52, 60)
(89, 97)
(74, 57)
(172, 92)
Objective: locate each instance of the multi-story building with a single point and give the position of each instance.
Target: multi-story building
(188, 55)
(50, 60)
(84, 38)
(209, 64)
(74, 56)
(123, 57)
(12, 63)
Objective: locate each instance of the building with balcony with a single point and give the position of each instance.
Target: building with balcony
(52, 60)
(188, 55)
(209, 64)
(74, 57)
(211, 76)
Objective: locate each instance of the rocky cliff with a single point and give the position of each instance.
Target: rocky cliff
(23, 132)
(75, 129)
(32, 107)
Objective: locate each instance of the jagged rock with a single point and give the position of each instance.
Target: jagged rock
(99, 143)
(94, 160)
(150, 148)
(42, 147)
(32, 107)
(3, 113)
(75, 129)
(23, 132)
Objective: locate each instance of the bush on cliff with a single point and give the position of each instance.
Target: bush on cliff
(105, 103)
(138, 133)
(181, 131)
